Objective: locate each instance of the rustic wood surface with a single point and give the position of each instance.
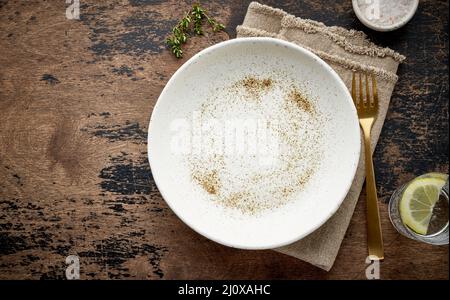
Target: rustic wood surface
(75, 101)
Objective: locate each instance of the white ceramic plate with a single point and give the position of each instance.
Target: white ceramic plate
(289, 183)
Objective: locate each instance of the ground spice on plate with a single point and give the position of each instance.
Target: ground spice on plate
(254, 86)
(233, 181)
(209, 181)
(301, 101)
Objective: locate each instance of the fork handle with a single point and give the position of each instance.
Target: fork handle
(374, 235)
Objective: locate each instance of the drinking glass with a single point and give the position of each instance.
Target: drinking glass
(437, 233)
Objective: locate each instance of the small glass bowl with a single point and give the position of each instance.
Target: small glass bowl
(373, 25)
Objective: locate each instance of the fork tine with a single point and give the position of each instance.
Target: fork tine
(355, 101)
(374, 91)
(361, 97)
(368, 101)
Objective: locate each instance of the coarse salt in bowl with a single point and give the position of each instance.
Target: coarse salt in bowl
(385, 15)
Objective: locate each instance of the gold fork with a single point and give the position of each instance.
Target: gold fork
(367, 113)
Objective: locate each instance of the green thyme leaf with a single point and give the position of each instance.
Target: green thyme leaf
(191, 23)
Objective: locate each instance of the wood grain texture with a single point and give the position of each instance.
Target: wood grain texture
(75, 101)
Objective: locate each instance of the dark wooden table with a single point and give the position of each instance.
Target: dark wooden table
(75, 101)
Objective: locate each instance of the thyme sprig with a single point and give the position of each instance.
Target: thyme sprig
(192, 21)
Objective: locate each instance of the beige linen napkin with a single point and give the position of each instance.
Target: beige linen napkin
(345, 51)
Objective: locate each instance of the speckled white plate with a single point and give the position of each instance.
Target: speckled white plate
(298, 191)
